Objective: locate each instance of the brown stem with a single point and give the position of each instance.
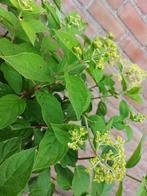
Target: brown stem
(133, 178)
(85, 158)
(39, 126)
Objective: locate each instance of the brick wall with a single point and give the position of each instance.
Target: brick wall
(127, 20)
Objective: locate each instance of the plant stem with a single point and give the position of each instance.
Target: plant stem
(133, 178)
(85, 158)
(91, 145)
(39, 126)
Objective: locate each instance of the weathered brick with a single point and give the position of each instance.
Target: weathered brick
(115, 3)
(106, 19)
(142, 4)
(135, 53)
(134, 22)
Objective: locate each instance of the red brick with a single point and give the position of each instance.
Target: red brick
(135, 53)
(84, 2)
(134, 22)
(142, 4)
(106, 19)
(115, 3)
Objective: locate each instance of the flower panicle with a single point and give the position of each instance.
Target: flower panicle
(78, 137)
(109, 165)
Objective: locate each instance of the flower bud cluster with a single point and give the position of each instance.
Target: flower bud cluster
(106, 51)
(134, 75)
(138, 117)
(78, 137)
(25, 4)
(110, 163)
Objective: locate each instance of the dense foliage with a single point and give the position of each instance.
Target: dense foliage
(46, 105)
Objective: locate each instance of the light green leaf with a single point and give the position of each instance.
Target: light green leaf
(81, 180)
(64, 177)
(101, 189)
(124, 109)
(9, 147)
(30, 65)
(50, 106)
(29, 30)
(96, 123)
(136, 156)
(120, 189)
(15, 172)
(142, 187)
(129, 132)
(13, 78)
(50, 151)
(42, 186)
(134, 94)
(11, 106)
(78, 93)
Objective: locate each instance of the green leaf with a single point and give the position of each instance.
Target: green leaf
(102, 108)
(96, 74)
(78, 93)
(129, 132)
(50, 106)
(5, 89)
(61, 133)
(58, 3)
(11, 106)
(118, 123)
(9, 147)
(43, 185)
(64, 177)
(134, 94)
(13, 78)
(67, 42)
(81, 180)
(136, 156)
(30, 65)
(142, 187)
(101, 189)
(96, 123)
(50, 151)
(15, 172)
(70, 158)
(124, 109)
(120, 190)
(29, 30)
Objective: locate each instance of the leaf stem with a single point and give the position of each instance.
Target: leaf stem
(133, 178)
(91, 145)
(85, 158)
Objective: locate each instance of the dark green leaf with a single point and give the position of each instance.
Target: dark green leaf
(96, 123)
(50, 106)
(64, 177)
(102, 108)
(13, 78)
(9, 147)
(11, 106)
(15, 172)
(43, 185)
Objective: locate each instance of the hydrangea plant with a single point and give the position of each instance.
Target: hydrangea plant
(47, 115)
